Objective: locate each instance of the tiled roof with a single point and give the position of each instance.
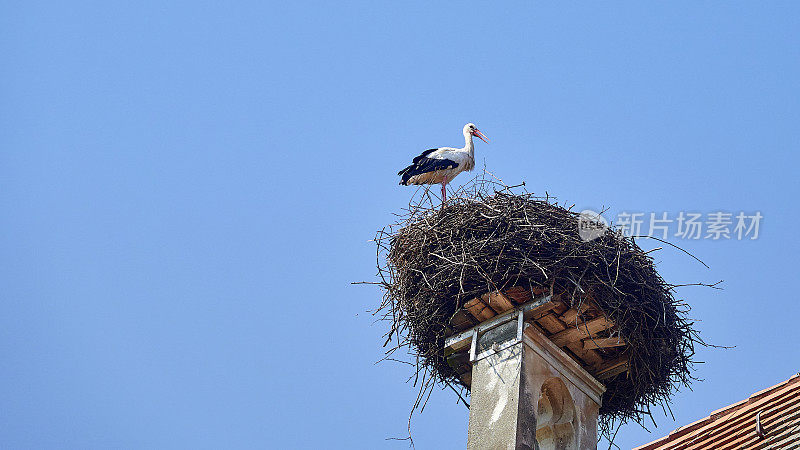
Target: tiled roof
(769, 419)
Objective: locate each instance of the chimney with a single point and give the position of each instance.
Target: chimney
(526, 391)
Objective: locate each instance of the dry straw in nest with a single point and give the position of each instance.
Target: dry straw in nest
(487, 237)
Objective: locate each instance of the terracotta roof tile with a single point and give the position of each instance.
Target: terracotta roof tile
(777, 409)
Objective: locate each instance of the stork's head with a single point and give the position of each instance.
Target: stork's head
(470, 128)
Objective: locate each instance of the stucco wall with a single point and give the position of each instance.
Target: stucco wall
(508, 405)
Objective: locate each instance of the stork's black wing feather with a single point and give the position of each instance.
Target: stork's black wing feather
(418, 158)
(424, 154)
(423, 164)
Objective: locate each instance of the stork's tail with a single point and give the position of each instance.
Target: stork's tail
(405, 175)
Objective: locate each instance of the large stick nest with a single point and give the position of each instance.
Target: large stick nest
(489, 238)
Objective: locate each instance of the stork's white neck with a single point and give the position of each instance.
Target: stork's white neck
(469, 147)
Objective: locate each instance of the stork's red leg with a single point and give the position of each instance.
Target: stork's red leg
(444, 192)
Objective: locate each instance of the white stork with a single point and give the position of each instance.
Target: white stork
(441, 165)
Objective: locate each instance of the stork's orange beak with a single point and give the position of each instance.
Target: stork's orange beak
(481, 135)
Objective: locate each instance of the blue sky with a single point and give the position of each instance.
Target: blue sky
(187, 190)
